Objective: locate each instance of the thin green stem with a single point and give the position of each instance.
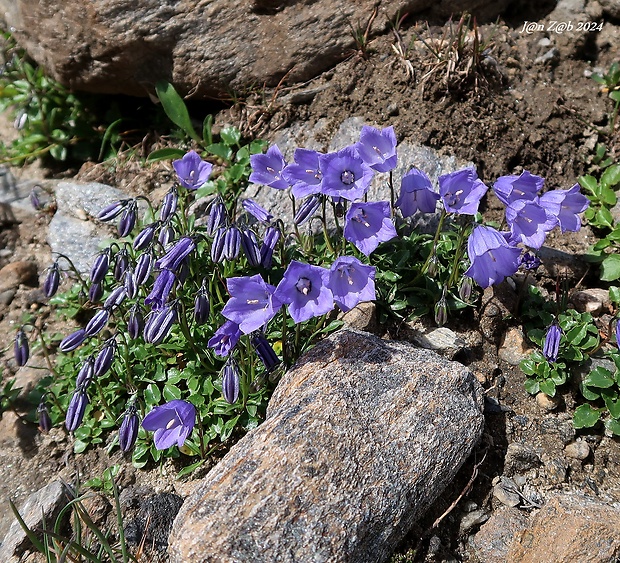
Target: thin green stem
(431, 254)
(457, 256)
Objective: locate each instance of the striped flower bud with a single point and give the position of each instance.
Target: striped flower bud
(166, 234)
(97, 323)
(144, 267)
(113, 210)
(551, 348)
(135, 324)
(257, 211)
(230, 382)
(441, 311)
(250, 246)
(103, 361)
(100, 266)
(130, 285)
(86, 373)
(217, 217)
(45, 421)
(72, 341)
(121, 263)
(232, 243)
(128, 219)
(95, 292)
(168, 205)
(307, 209)
(129, 429)
(175, 256)
(265, 352)
(465, 289)
(201, 307)
(115, 298)
(75, 410)
(159, 324)
(21, 350)
(52, 280)
(217, 248)
(272, 235)
(144, 237)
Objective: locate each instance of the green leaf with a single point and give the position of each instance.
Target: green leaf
(589, 183)
(613, 426)
(152, 394)
(190, 468)
(585, 416)
(611, 176)
(577, 334)
(221, 150)
(79, 446)
(532, 386)
(528, 366)
(175, 108)
(604, 217)
(615, 96)
(171, 392)
(589, 393)
(547, 387)
(599, 377)
(608, 196)
(610, 267)
(230, 135)
(165, 154)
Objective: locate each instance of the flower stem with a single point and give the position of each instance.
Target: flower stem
(431, 254)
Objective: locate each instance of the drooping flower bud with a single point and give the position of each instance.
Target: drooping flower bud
(551, 347)
(103, 361)
(144, 237)
(130, 285)
(441, 311)
(98, 322)
(95, 292)
(272, 236)
(34, 200)
(217, 217)
(175, 256)
(121, 263)
(129, 429)
(249, 242)
(201, 307)
(339, 208)
(230, 382)
(75, 410)
(144, 267)
(128, 219)
(217, 248)
(113, 210)
(307, 209)
(166, 234)
(135, 324)
(183, 271)
(116, 297)
(159, 324)
(257, 211)
(265, 352)
(168, 205)
(72, 341)
(86, 373)
(618, 334)
(465, 289)
(21, 350)
(232, 243)
(52, 280)
(45, 421)
(100, 266)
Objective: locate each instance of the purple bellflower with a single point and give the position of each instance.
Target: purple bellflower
(345, 174)
(172, 423)
(257, 211)
(76, 409)
(551, 348)
(252, 302)
(565, 205)
(264, 351)
(192, 171)
(492, 258)
(416, 194)
(161, 290)
(511, 188)
(378, 148)
(272, 236)
(230, 382)
(72, 341)
(351, 282)
(169, 205)
(304, 175)
(305, 289)
(159, 324)
(173, 258)
(129, 429)
(529, 261)
(225, 339)
(461, 191)
(267, 169)
(529, 222)
(52, 280)
(21, 349)
(369, 224)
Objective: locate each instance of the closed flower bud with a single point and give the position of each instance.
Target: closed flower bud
(265, 352)
(72, 341)
(113, 210)
(307, 209)
(129, 429)
(121, 263)
(45, 421)
(465, 289)
(86, 373)
(201, 307)
(441, 312)
(217, 217)
(75, 410)
(166, 234)
(35, 201)
(230, 382)
(168, 205)
(272, 235)
(95, 292)
(339, 209)
(250, 246)
(232, 243)
(217, 248)
(100, 267)
(183, 271)
(135, 324)
(103, 361)
(144, 237)
(21, 349)
(159, 324)
(97, 323)
(115, 298)
(130, 285)
(50, 286)
(128, 219)
(144, 267)
(551, 347)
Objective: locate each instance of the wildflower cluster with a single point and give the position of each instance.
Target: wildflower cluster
(185, 305)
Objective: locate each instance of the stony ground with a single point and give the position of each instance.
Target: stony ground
(526, 103)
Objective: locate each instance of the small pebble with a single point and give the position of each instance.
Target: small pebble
(504, 491)
(577, 450)
(472, 519)
(547, 403)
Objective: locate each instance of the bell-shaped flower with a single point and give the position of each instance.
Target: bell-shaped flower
(192, 171)
(529, 222)
(169, 205)
(267, 169)
(161, 290)
(369, 224)
(257, 211)
(551, 347)
(378, 148)
(129, 429)
(524, 186)
(230, 382)
(345, 174)
(565, 205)
(461, 191)
(491, 257)
(252, 302)
(173, 258)
(172, 423)
(225, 339)
(351, 282)
(304, 175)
(305, 289)
(416, 194)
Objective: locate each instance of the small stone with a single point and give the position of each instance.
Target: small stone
(555, 469)
(513, 347)
(17, 273)
(442, 339)
(493, 540)
(547, 403)
(594, 301)
(6, 297)
(577, 450)
(551, 56)
(520, 458)
(505, 491)
(472, 519)
(362, 317)
(544, 42)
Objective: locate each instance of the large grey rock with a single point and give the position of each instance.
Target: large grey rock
(207, 48)
(360, 437)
